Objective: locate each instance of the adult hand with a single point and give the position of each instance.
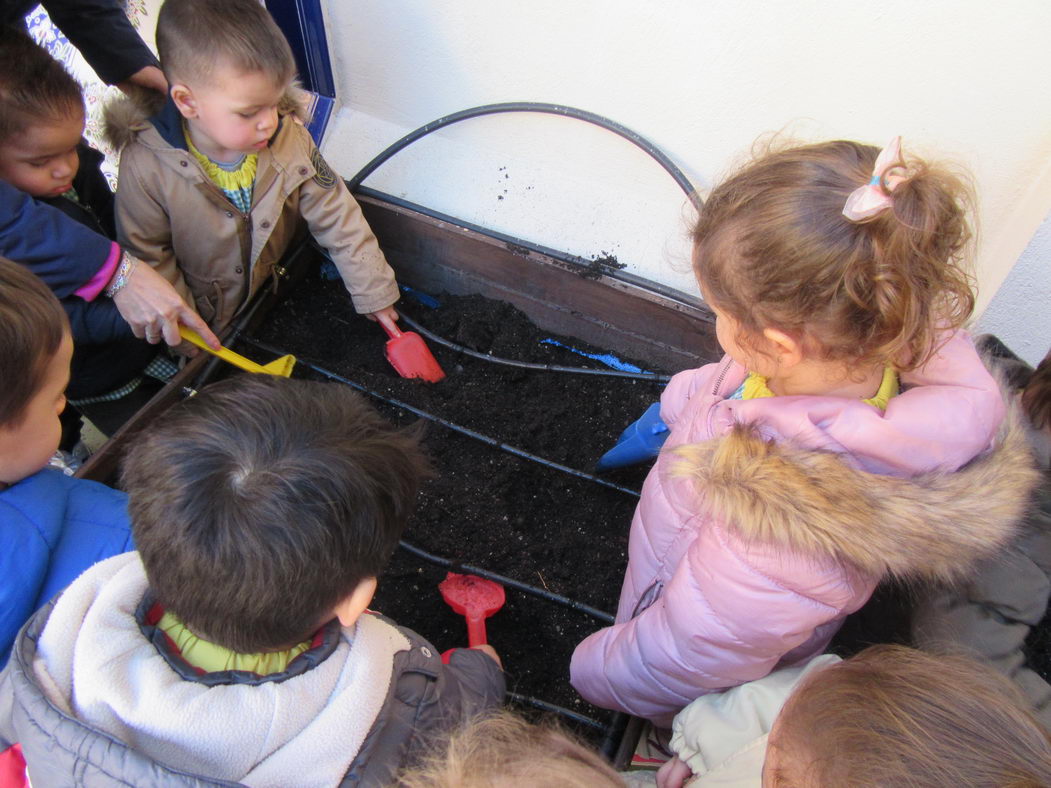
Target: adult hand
(149, 77)
(154, 309)
(485, 648)
(673, 774)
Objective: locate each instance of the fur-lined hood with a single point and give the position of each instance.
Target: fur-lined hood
(126, 116)
(932, 526)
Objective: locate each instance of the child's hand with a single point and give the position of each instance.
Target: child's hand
(485, 648)
(387, 312)
(673, 774)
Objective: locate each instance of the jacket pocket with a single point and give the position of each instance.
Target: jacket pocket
(648, 597)
(207, 296)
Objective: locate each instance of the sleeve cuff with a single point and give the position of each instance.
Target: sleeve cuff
(91, 289)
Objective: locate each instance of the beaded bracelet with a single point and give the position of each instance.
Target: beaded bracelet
(120, 279)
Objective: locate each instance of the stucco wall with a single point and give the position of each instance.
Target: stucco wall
(702, 80)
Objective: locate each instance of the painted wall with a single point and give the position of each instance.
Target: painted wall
(963, 79)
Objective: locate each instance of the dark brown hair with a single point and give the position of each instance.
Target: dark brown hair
(773, 250)
(895, 716)
(504, 751)
(261, 503)
(194, 37)
(32, 324)
(34, 87)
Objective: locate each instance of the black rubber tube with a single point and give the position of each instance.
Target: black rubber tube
(533, 106)
(525, 588)
(543, 705)
(610, 373)
(444, 422)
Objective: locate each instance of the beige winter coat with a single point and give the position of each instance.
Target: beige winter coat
(172, 216)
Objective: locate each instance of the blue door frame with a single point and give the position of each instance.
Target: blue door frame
(304, 26)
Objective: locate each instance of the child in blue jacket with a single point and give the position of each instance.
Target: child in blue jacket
(52, 527)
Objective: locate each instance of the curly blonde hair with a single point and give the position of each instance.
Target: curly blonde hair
(773, 249)
(504, 751)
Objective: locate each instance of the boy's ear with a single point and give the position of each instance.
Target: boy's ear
(787, 350)
(184, 100)
(350, 609)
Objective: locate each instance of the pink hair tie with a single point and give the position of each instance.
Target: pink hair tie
(868, 200)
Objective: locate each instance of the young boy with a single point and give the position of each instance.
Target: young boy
(52, 527)
(239, 648)
(43, 154)
(214, 187)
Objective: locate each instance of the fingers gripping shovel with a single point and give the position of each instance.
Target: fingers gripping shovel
(473, 597)
(408, 353)
(280, 366)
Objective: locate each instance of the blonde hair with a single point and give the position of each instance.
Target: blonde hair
(504, 751)
(773, 249)
(895, 716)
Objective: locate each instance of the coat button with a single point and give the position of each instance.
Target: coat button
(302, 170)
(425, 651)
(230, 214)
(264, 225)
(239, 270)
(184, 163)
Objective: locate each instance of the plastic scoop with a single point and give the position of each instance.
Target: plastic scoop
(473, 597)
(641, 441)
(279, 366)
(408, 353)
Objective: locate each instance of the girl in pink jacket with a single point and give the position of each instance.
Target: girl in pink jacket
(850, 434)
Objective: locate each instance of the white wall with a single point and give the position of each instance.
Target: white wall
(702, 80)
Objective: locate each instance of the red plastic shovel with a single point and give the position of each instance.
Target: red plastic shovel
(473, 597)
(408, 353)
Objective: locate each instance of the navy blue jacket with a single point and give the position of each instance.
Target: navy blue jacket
(52, 528)
(98, 28)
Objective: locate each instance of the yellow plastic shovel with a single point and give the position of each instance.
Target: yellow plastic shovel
(279, 366)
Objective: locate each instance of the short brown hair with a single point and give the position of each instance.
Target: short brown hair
(773, 250)
(504, 751)
(194, 37)
(897, 716)
(34, 87)
(261, 503)
(32, 324)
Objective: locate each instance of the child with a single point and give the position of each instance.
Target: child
(52, 527)
(43, 154)
(505, 751)
(213, 188)
(235, 646)
(818, 457)
(888, 716)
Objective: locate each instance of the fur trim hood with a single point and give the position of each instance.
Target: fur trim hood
(932, 526)
(126, 116)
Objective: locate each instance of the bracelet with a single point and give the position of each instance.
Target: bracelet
(120, 279)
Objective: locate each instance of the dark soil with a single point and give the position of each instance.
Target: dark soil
(486, 507)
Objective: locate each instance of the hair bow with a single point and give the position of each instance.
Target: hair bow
(868, 200)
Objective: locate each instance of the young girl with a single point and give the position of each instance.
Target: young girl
(827, 450)
(889, 716)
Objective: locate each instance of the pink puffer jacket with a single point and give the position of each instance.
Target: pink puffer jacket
(765, 522)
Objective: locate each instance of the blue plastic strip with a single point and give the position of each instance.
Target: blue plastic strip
(424, 298)
(603, 358)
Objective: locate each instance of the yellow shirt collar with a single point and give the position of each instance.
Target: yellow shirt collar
(755, 388)
(213, 659)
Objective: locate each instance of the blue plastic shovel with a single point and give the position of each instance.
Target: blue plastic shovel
(641, 441)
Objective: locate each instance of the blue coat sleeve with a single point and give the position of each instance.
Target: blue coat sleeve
(58, 249)
(52, 528)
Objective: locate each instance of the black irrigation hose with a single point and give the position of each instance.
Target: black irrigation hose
(525, 588)
(533, 106)
(543, 705)
(445, 423)
(612, 373)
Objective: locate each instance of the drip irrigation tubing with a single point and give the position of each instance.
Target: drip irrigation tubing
(439, 420)
(624, 132)
(525, 588)
(543, 705)
(612, 373)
